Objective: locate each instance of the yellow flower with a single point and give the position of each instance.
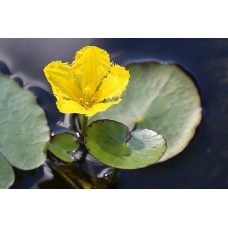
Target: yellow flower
(89, 85)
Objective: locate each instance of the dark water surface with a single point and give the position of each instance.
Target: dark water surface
(203, 164)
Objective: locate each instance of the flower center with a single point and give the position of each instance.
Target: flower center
(88, 98)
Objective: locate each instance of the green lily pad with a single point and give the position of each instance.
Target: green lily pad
(161, 97)
(61, 144)
(6, 173)
(23, 126)
(113, 144)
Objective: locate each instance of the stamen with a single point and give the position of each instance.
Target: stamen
(87, 104)
(94, 99)
(86, 91)
(81, 100)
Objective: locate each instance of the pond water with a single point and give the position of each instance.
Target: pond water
(203, 164)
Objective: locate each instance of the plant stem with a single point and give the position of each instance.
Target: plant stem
(83, 132)
(68, 180)
(84, 125)
(63, 175)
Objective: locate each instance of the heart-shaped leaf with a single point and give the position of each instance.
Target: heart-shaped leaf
(61, 144)
(113, 144)
(160, 97)
(23, 127)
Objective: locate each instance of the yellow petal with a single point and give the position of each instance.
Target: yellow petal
(115, 83)
(70, 106)
(100, 107)
(91, 65)
(62, 80)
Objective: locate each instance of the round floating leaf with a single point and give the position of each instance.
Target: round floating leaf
(61, 144)
(23, 126)
(6, 173)
(113, 144)
(163, 98)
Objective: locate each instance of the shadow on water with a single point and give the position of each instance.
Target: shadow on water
(203, 164)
